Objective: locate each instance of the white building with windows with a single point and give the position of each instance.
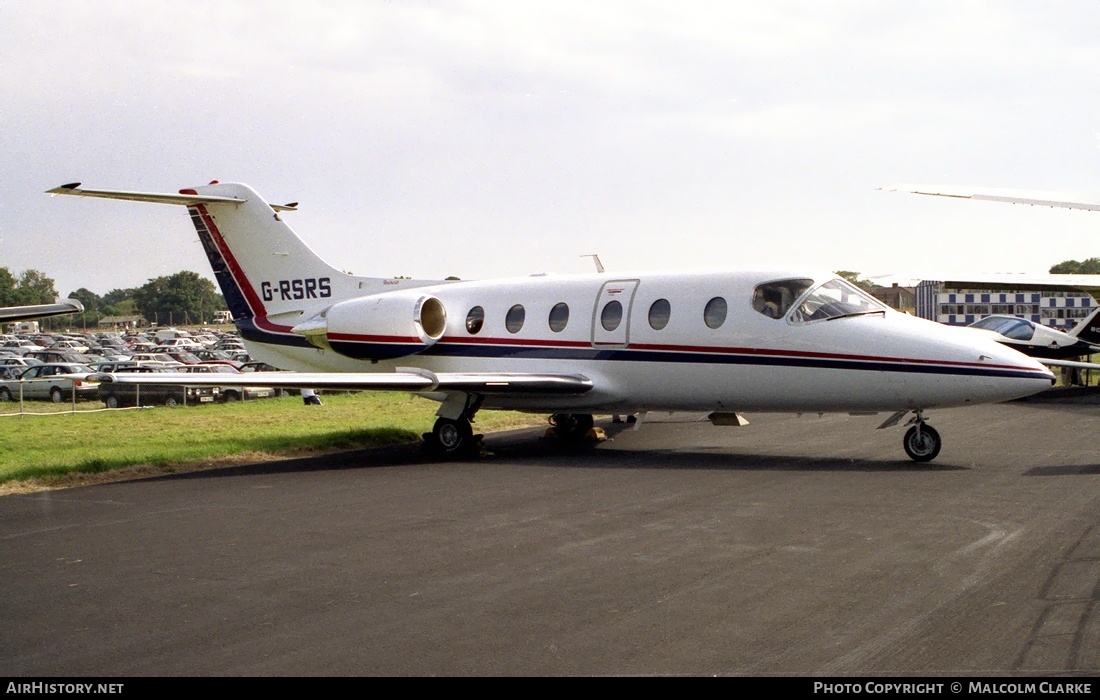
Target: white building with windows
(961, 307)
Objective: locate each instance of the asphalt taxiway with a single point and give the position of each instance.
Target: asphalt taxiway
(795, 545)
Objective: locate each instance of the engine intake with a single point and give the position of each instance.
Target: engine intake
(378, 327)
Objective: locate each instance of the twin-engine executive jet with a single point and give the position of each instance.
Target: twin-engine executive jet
(787, 340)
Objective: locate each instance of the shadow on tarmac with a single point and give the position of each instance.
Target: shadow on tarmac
(527, 447)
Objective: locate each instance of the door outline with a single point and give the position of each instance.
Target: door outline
(622, 291)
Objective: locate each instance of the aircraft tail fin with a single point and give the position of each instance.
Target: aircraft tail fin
(1088, 328)
(270, 278)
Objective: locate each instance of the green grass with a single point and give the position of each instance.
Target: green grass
(49, 448)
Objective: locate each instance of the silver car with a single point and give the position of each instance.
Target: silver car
(55, 382)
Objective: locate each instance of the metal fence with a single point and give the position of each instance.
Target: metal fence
(26, 397)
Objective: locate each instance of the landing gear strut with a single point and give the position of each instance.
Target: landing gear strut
(922, 443)
(572, 426)
(454, 437)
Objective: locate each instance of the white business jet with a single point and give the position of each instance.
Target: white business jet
(787, 340)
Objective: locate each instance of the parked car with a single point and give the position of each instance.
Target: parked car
(21, 347)
(21, 362)
(256, 366)
(160, 357)
(230, 393)
(11, 371)
(116, 395)
(73, 345)
(58, 356)
(56, 382)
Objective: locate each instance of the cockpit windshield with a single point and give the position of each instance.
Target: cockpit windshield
(775, 299)
(836, 299)
(1008, 326)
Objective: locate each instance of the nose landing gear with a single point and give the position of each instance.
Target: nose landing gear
(922, 443)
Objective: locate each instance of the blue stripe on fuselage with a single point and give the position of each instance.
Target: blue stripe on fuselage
(686, 356)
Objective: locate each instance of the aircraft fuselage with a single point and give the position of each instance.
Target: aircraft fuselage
(749, 361)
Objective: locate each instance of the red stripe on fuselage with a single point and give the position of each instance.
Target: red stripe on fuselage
(259, 312)
(720, 350)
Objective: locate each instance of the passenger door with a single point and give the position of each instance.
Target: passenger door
(611, 315)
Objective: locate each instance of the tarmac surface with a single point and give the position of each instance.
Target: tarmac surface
(798, 545)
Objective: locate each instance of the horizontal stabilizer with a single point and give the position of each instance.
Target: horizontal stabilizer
(185, 197)
(26, 313)
(418, 381)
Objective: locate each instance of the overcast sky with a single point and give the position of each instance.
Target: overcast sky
(494, 138)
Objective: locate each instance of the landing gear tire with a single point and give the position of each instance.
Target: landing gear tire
(922, 443)
(572, 426)
(111, 401)
(451, 437)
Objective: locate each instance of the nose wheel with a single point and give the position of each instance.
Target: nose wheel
(922, 443)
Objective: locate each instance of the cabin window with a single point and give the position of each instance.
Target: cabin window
(559, 317)
(775, 299)
(474, 320)
(659, 314)
(514, 320)
(611, 316)
(714, 314)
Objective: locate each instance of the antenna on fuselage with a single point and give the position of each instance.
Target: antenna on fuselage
(595, 259)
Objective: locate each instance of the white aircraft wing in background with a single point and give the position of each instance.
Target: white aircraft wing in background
(1065, 200)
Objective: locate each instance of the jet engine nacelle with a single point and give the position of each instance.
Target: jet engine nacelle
(378, 327)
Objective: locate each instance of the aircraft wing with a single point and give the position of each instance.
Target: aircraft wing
(1068, 363)
(415, 380)
(1066, 200)
(26, 313)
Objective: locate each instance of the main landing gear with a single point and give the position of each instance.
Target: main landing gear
(451, 436)
(572, 427)
(454, 437)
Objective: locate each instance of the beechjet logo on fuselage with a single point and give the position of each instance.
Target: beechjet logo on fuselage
(287, 290)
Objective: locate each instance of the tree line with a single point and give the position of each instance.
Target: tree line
(1072, 267)
(184, 298)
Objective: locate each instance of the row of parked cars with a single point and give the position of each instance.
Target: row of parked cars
(65, 372)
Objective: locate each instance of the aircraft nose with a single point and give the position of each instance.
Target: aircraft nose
(1027, 373)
